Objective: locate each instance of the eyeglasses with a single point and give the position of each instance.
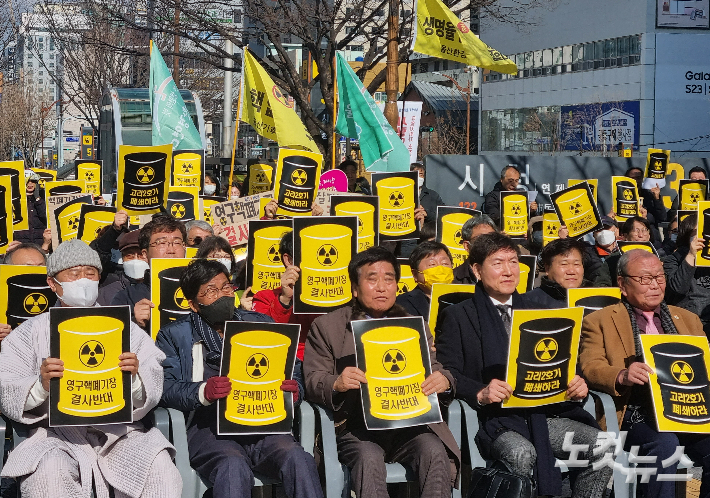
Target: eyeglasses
(212, 292)
(164, 243)
(647, 279)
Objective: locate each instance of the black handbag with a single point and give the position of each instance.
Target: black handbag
(498, 482)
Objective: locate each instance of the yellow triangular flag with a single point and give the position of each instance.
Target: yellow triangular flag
(268, 110)
(439, 33)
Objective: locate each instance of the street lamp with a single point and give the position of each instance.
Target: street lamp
(467, 92)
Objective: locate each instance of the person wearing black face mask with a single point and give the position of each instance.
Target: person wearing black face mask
(193, 348)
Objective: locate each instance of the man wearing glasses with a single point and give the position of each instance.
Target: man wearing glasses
(611, 361)
(193, 349)
(162, 237)
(509, 181)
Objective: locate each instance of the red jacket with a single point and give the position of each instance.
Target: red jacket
(267, 302)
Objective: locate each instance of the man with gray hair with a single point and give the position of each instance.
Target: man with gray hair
(611, 361)
(69, 461)
(475, 226)
(197, 231)
(26, 253)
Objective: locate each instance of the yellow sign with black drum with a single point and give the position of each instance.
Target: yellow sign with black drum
(296, 181)
(593, 185)
(6, 230)
(187, 169)
(366, 210)
(15, 170)
(528, 271)
(31, 295)
(702, 258)
(67, 218)
(260, 177)
(143, 174)
(93, 219)
(576, 210)
(449, 230)
(657, 165)
(626, 246)
(514, 213)
(165, 292)
(398, 197)
(45, 175)
(550, 227)
(445, 295)
(593, 298)
(406, 279)
(183, 203)
(625, 197)
(690, 192)
(264, 262)
(90, 172)
(206, 203)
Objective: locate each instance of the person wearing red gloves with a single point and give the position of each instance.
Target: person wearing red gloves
(193, 349)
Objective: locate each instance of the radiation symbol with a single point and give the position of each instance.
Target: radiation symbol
(402, 288)
(274, 255)
(92, 353)
(74, 223)
(327, 255)
(396, 198)
(360, 226)
(41, 183)
(89, 176)
(515, 209)
(575, 208)
(546, 349)
(299, 177)
(257, 365)
(177, 210)
(186, 168)
(458, 238)
(36, 303)
(682, 372)
(659, 164)
(628, 195)
(261, 178)
(552, 230)
(180, 299)
(694, 197)
(394, 361)
(145, 174)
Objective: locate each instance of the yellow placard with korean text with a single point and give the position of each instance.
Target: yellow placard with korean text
(443, 296)
(679, 383)
(656, 168)
(550, 227)
(296, 181)
(625, 197)
(143, 178)
(576, 210)
(542, 356)
(89, 171)
(514, 213)
(690, 192)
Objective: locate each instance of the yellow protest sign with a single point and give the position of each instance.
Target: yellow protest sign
(296, 182)
(259, 178)
(550, 227)
(592, 182)
(366, 208)
(183, 203)
(394, 354)
(656, 168)
(65, 215)
(16, 171)
(398, 197)
(322, 248)
(64, 187)
(186, 169)
(190, 252)
(439, 33)
(268, 110)
(165, 292)
(625, 197)
(626, 246)
(449, 222)
(93, 390)
(143, 174)
(702, 258)
(679, 381)
(6, 231)
(690, 192)
(514, 213)
(682, 214)
(45, 175)
(443, 296)
(30, 293)
(206, 204)
(528, 270)
(593, 298)
(257, 360)
(264, 264)
(406, 279)
(542, 357)
(92, 219)
(577, 210)
(90, 171)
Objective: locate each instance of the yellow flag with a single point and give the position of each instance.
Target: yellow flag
(439, 33)
(268, 110)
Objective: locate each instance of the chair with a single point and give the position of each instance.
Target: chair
(337, 479)
(171, 423)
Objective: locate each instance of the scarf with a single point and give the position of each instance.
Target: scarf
(211, 338)
(666, 323)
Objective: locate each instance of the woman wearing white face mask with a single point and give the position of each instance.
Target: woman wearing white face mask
(211, 185)
(606, 238)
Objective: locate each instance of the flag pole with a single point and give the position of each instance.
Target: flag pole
(234, 144)
(335, 106)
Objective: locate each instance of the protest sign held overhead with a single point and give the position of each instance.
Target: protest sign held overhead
(93, 390)
(143, 174)
(90, 171)
(576, 209)
(30, 293)
(6, 230)
(366, 208)
(625, 197)
(702, 258)
(207, 202)
(514, 213)
(45, 175)
(296, 181)
(449, 224)
(593, 298)
(268, 110)
(443, 296)
(656, 168)
(264, 262)
(165, 292)
(593, 185)
(257, 358)
(679, 382)
(690, 192)
(234, 216)
(626, 246)
(322, 248)
(550, 226)
(394, 354)
(16, 171)
(187, 169)
(542, 356)
(260, 178)
(399, 197)
(528, 271)
(184, 203)
(65, 215)
(92, 219)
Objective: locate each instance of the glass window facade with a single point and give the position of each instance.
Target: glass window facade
(534, 129)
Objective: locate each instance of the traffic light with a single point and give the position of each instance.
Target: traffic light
(426, 129)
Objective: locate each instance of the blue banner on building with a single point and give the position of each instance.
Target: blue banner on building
(600, 127)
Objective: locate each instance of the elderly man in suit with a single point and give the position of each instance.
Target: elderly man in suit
(333, 381)
(611, 361)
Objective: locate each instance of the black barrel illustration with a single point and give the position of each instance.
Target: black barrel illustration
(30, 296)
(64, 189)
(3, 217)
(450, 299)
(298, 183)
(705, 253)
(626, 201)
(683, 379)
(594, 303)
(173, 304)
(181, 206)
(657, 165)
(144, 180)
(16, 193)
(543, 356)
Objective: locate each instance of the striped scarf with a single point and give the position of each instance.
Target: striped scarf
(211, 338)
(666, 323)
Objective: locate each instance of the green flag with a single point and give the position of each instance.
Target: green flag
(359, 117)
(172, 122)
